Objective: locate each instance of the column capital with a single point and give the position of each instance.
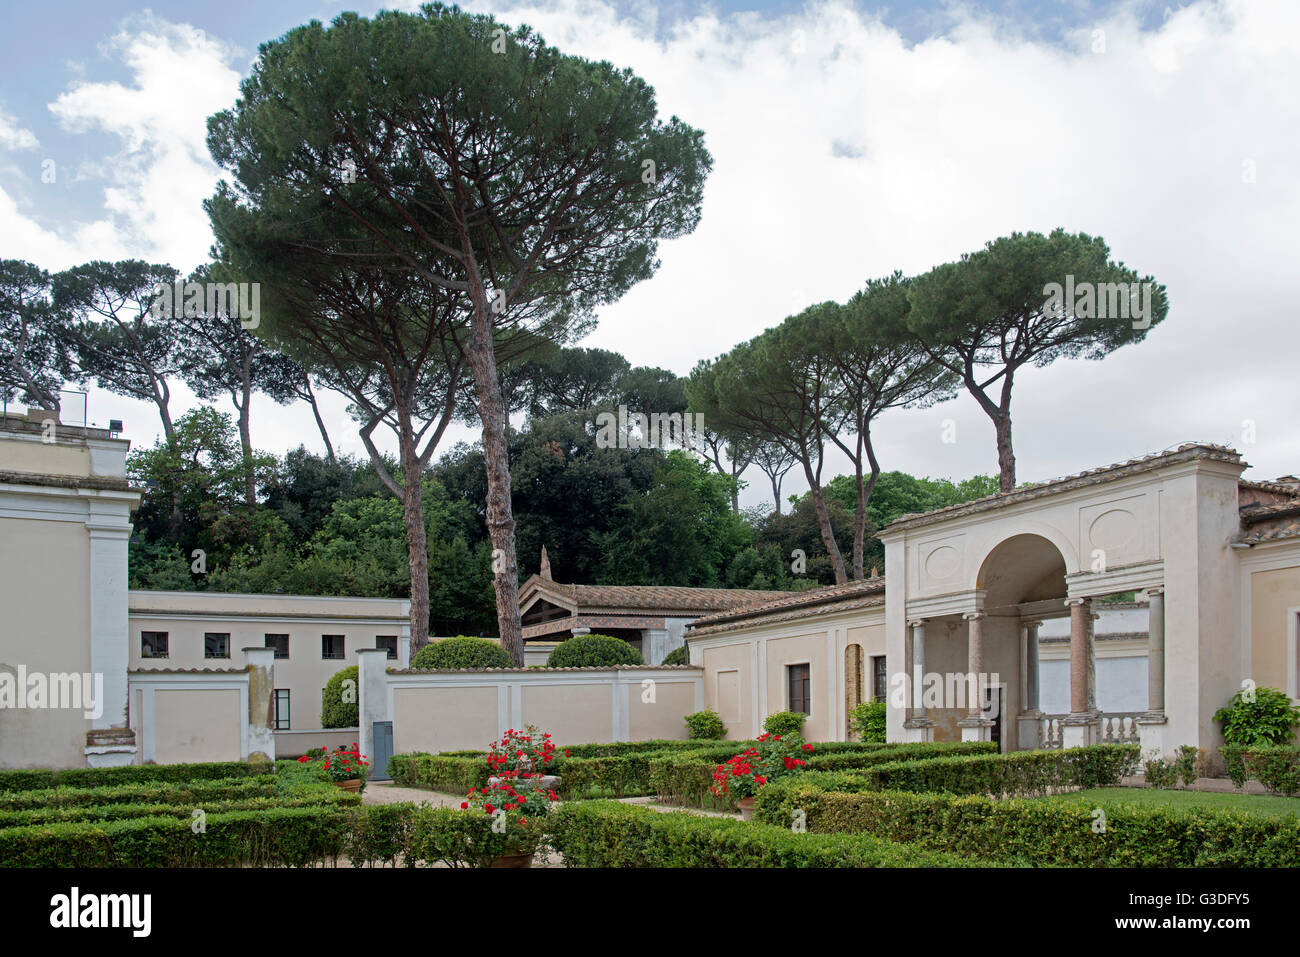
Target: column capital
(973, 615)
(1077, 601)
(916, 622)
(1032, 624)
(1155, 590)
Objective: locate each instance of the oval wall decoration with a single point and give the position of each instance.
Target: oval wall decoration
(1113, 530)
(943, 562)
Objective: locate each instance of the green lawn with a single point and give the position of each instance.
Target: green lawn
(1263, 804)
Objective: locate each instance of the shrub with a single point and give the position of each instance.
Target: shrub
(191, 794)
(1038, 832)
(462, 652)
(1234, 759)
(678, 656)
(292, 837)
(1188, 764)
(869, 721)
(1016, 774)
(343, 764)
(593, 651)
(610, 834)
(1258, 716)
(1159, 772)
(338, 702)
(454, 775)
(784, 722)
(33, 778)
(1277, 768)
(705, 725)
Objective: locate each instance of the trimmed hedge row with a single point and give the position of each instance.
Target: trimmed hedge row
(688, 779)
(610, 834)
(290, 836)
(159, 792)
(1277, 766)
(119, 812)
(1038, 833)
(30, 779)
(1017, 774)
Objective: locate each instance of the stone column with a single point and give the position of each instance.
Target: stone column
(1083, 726)
(1151, 726)
(1156, 651)
(372, 698)
(404, 648)
(261, 703)
(975, 726)
(1029, 723)
(918, 726)
(110, 742)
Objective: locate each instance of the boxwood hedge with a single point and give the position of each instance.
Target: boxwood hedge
(1035, 832)
(30, 779)
(612, 834)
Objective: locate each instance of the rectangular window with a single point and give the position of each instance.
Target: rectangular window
(387, 643)
(798, 677)
(331, 646)
(879, 678)
(153, 644)
(280, 643)
(216, 644)
(281, 709)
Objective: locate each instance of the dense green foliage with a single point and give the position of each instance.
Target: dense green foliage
(705, 724)
(1259, 716)
(1016, 773)
(1040, 832)
(784, 722)
(461, 652)
(593, 651)
(868, 720)
(338, 704)
(678, 656)
(610, 834)
(30, 779)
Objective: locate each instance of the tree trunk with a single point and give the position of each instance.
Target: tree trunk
(500, 514)
(246, 442)
(417, 542)
(824, 520)
(1006, 456)
(320, 423)
(776, 492)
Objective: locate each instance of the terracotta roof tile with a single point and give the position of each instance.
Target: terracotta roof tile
(864, 593)
(656, 597)
(1107, 473)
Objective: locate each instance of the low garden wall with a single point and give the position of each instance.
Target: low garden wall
(440, 711)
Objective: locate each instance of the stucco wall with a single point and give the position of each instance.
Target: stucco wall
(729, 677)
(1275, 598)
(196, 725)
(187, 616)
(444, 719)
(45, 626)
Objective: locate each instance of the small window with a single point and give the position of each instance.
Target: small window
(216, 644)
(798, 676)
(387, 643)
(281, 709)
(153, 644)
(280, 643)
(331, 646)
(879, 678)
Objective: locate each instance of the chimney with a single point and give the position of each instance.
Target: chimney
(545, 571)
(1290, 481)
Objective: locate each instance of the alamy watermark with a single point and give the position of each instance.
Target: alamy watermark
(240, 300)
(658, 430)
(1100, 300)
(57, 690)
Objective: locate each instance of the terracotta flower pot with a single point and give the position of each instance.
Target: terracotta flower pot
(513, 860)
(352, 785)
(746, 806)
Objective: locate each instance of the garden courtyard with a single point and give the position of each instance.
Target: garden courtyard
(776, 801)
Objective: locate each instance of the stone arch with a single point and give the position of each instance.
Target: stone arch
(1065, 548)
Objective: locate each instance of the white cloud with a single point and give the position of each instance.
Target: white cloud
(162, 174)
(13, 136)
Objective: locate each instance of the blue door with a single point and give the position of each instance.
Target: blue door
(383, 731)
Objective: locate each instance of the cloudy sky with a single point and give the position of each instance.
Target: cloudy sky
(849, 140)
